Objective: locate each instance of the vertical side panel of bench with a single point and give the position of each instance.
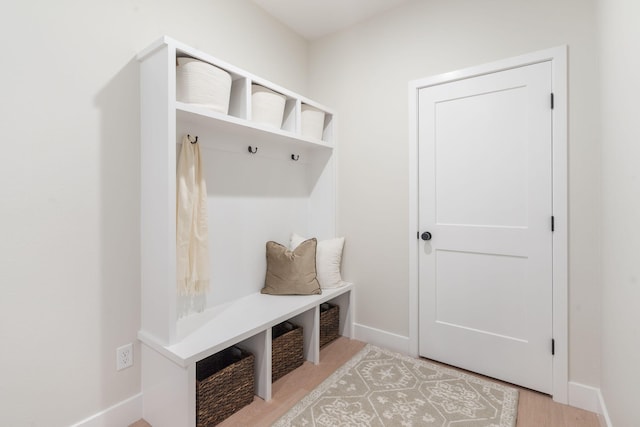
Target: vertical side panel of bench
(169, 391)
(310, 322)
(346, 301)
(260, 346)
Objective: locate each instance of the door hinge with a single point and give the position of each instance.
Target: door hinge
(553, 223)
(418, 235)
(553, 347)
(552, 103)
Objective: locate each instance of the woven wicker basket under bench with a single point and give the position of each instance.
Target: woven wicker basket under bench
(224, 385)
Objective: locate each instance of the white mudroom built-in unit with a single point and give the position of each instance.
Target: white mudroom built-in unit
(264, 182)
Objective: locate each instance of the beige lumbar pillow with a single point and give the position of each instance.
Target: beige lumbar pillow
(291, 272)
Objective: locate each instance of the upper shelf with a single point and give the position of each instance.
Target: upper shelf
(227, 124)
(239, 121)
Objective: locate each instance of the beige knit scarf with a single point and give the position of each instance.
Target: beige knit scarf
(192, 230)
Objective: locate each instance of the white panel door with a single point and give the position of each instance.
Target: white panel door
(485, 183)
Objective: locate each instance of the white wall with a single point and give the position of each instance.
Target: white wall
(69, 200)
(363, 73)
(69, 168)
(620, 33)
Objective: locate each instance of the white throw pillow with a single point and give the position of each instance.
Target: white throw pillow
(328, 259)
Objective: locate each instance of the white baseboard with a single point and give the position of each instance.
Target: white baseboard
(381, 338)
(590, 399)
(121, 414)
(584, 397)
(605, 421)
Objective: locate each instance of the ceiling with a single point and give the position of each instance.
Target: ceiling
(313, 19)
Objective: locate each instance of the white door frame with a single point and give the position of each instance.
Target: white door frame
(558, 58)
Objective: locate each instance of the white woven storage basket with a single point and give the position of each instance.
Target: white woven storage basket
(201, 83)
(312, 122)
(267, 106)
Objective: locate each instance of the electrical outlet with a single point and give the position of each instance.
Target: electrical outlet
(124, 357)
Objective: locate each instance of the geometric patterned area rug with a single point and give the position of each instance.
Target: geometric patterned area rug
(378, 387)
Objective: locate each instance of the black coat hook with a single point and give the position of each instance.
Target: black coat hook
(295, 157)
(253, 150)
(192, 141)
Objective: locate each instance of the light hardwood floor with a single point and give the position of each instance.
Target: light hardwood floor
(534, 409)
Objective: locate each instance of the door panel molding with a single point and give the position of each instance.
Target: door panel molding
(558, 58)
